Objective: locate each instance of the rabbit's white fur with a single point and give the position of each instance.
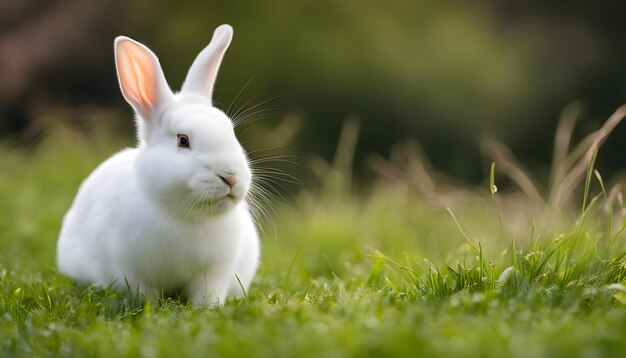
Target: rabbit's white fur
(162, 218)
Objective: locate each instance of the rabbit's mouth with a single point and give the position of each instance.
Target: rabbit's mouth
(217, 203)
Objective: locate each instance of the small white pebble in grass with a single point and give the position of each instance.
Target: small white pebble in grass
(455, 301)
(478, 297)
(619, 296)
(616, 286)
(504, 276)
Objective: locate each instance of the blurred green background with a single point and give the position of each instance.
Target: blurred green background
(443, 73)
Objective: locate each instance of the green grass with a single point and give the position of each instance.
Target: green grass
(394, 271)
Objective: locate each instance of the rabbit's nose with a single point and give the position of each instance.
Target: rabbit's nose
(230, 179)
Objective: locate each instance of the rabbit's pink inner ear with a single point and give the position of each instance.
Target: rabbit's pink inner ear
(137, 74)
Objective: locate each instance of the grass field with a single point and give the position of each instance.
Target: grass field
(410, 266)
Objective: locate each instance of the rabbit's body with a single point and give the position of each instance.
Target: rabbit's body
(150, 249)
(168, 217)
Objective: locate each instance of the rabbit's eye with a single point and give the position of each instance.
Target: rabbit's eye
(183, 141)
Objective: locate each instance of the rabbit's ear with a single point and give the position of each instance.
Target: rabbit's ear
(140, 75)
(201, 76)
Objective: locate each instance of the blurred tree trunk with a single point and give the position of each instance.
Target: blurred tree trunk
(37, 36)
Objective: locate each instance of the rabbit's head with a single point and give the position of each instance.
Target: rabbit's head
(188, 159)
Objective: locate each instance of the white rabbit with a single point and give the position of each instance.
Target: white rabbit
(169, 216)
